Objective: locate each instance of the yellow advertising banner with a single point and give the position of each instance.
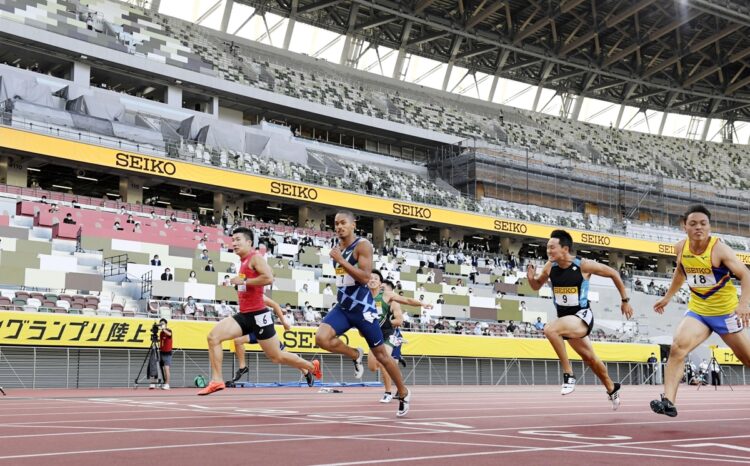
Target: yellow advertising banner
(725, 356)
(146, 165)
(39, 329)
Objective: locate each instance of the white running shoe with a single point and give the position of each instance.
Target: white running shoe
(387, 398)
(152, 386)
(569, 384)
(359, 368)
(403, 404)
(165, 387)
(614, 397)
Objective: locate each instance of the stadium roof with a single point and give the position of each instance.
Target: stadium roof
(671, 55)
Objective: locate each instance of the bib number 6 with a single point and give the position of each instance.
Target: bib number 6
(263, 319)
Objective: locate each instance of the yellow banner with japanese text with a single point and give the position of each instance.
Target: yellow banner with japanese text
(41, 329)
(210, 176)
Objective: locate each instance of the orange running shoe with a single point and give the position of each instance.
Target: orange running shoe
(317, 372)
(212, 387)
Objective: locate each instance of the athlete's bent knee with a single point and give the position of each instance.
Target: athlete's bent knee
(322, 341)
(213, 339)
(678, 350)
(549, 332)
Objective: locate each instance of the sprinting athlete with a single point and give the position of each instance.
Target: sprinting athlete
(707, 265)
(251, 338)
(355, 307)
(389, 318)
(569, 276)
(254, 317)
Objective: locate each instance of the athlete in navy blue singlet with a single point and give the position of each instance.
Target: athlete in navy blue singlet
(352, 259)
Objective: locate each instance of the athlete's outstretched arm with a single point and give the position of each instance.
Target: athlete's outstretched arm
(277, 310)
(678, 278)
(398, 316)
(409, 301)
(595, 268)
(728, 257)
(538, 281)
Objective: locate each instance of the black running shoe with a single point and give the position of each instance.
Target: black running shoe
(310, 379)
(664, 406)
(240, 372)
(402, 361)
(614, 396)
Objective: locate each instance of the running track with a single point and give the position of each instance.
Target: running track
(447, 425)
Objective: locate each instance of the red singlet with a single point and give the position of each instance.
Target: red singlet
(250, 297)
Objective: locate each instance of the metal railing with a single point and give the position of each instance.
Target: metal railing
(51, 367)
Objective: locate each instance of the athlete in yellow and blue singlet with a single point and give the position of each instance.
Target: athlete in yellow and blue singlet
(708, 266)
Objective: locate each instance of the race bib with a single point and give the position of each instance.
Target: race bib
(263, 319)
(699, 280)
(586, 315)
(243, 287)
(342, 278)
(566, 295)
(733, 323)
(379, 308)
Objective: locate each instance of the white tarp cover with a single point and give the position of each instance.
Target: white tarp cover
(15, 86)
(99, 105)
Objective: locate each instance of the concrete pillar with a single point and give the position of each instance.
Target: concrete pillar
(505, 245)
(663, 264)
(303, 215)
(82, 74)
(13, 173)
(173, 96)
(131, 190)
(219, 202)
(378, 233)
(225, 17)
(616, 260)
(445, 233)
(215, 106)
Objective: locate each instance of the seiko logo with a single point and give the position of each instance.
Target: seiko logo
(300, 192)
(512, 227)
(596, 239)
(411, 211)
(666, 249)
(146, 164)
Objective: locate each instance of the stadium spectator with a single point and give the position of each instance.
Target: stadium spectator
(156, 261)
(192, 278)
(227, 281)
(190, 307)
(232, 268)
(137, 227)
(69, 219)
(539, 325)
(167, 275)
(116, 226)
(327, 290)
(204, 254)
(130, 219)
(210, 266)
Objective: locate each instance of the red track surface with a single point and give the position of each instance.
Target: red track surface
(447, 425)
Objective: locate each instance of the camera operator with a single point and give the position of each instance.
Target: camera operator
(165, 348)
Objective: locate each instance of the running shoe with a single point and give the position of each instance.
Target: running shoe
(316, 369)
(310, 376)
(569, 384)
(403, 404)
(402, 361)
(152, 386)
(614, 397)
(165, 387)
(664, 406)
(240, 372)
(359, 369)
(212, 387)
(387, 397)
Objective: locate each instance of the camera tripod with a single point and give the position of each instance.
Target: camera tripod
(721, 373)
(153, 358)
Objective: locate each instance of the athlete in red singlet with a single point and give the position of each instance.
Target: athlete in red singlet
(254, 316)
